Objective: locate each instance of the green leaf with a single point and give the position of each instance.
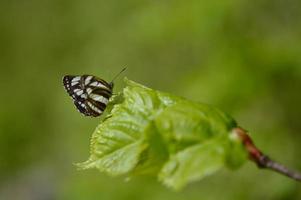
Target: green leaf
(193, 163)
(150, 132)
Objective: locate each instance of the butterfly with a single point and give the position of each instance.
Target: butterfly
(90, 94)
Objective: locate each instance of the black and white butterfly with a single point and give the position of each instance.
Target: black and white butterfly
(90, 94)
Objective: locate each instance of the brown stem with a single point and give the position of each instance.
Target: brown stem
(262, 160)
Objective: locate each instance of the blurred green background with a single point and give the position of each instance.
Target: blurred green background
(241, 56)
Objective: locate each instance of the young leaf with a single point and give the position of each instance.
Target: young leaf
(193, 163)
(155, 133)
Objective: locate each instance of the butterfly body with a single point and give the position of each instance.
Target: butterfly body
(90, 94)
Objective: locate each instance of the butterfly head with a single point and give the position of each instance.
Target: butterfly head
(111, 84)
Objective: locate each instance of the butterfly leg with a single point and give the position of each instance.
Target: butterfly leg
(107, 117)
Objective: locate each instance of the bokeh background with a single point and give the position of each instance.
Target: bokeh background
(241, 56)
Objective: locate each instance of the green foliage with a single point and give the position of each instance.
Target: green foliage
(154, 133)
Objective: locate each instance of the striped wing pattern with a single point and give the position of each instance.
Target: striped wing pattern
(89, 93)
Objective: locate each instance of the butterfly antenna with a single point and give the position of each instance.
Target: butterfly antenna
(118, 74)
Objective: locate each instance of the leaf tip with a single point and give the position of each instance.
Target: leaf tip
(84, 165)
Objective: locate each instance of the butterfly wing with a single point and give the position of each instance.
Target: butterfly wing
(98, 92)
(75, 89)
(89, 93)
(73, 85)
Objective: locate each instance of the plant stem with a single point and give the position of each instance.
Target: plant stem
(266, 162)
(262, 160)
